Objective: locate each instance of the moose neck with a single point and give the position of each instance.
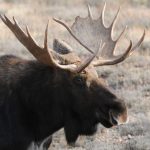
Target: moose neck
(42, 93)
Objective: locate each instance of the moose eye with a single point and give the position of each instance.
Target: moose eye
(79, 80)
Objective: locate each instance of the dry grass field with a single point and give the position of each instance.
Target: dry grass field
(129, 80)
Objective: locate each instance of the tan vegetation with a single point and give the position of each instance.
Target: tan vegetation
(130, 79)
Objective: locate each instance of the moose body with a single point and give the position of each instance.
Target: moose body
(59, 90)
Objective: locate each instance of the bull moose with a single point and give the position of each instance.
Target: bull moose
(59, 90)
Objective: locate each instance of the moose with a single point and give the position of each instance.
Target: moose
(59, 89)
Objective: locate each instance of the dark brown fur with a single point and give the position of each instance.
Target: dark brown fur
(37, 100)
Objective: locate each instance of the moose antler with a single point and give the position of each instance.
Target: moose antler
(89, 32)
(44, 55)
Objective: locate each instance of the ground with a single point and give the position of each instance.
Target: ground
(129, 80)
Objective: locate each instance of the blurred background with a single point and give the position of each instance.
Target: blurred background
(130, 80)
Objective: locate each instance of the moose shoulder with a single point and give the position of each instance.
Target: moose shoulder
(58, 90)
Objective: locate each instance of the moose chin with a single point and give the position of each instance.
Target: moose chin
(59, 89)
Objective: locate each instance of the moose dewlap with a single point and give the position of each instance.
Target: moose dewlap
(59, 90)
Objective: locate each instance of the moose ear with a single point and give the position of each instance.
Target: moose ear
(65, 51)
(61, 47)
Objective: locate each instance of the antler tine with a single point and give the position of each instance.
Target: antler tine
(103, 15)
(70, 31)
(2, 18)
(114, 22)
(138, 43)
(30, 37)
(123, 56)
(46, 35)
(20, 34)
(49, 53)
(89, 11)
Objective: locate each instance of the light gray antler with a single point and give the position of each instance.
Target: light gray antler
(89, 32)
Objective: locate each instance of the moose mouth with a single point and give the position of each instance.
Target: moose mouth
(111, 122)
(104, 120)
(113, 119)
